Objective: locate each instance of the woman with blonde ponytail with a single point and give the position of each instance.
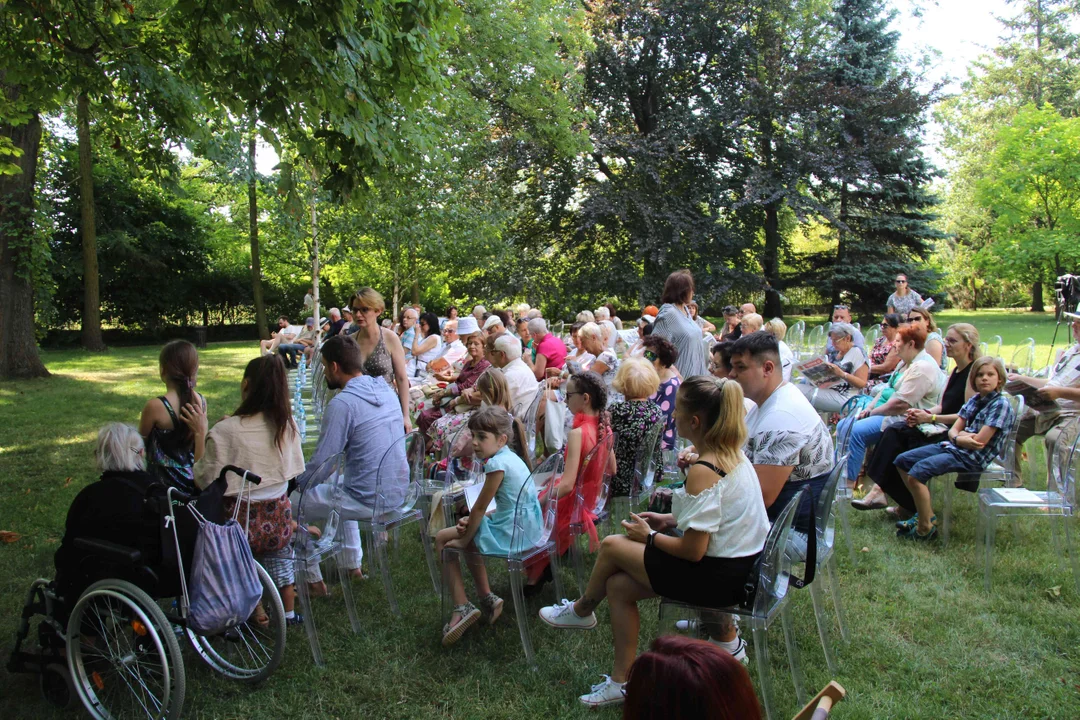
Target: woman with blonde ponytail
(721, 514)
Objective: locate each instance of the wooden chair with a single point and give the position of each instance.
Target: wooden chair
(822, 704)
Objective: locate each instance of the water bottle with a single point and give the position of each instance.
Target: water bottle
(303, 425)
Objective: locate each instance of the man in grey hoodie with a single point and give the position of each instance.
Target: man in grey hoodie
(364, 421)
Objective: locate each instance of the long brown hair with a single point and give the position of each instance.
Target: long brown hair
(498, 421)
(179, 362)
(268, 393)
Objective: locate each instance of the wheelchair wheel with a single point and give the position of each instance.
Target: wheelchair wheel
(250, 652)
(57, 687)
(123, 654)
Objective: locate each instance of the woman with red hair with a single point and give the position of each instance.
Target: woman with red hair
(689, 679)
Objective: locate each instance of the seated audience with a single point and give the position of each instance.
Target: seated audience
(173, 425)
(614, 316)
(494, 326)
(732, 329)
(507, 482)
(663, 355)
(935, 344)
(750, 323)
(363, 421)
(746, 309)
(303, 343)
(606, 363)
(675, 325)
(453, 349)
(975, 439)
(723, 522)
(850, 369)
(651, 310)
(680, 677)
(778, 329)
(521, 330)
(474, 367)
(632, 419)
(262, 437)
(478, 313)
(585, 316)
(581, 356)
(335, 324)
(918, 387)
(1063, 387)
(706, 326)
(918, 430)
(883, 356)
(427, 344)
(549, 349)
(505, 353)
(284, 334)
(644, 327)
(490, 390)
(381, 352)
(406, 329)
(603, 319)
(841, 314)
(586, 398)
(788, 444)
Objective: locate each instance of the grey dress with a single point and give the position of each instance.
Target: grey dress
(676, 326)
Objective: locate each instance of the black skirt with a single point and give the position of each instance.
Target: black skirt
(710, 582)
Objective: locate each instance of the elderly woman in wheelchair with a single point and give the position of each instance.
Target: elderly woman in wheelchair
(113, 615)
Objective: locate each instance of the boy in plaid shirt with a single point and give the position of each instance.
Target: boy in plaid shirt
(975, 439)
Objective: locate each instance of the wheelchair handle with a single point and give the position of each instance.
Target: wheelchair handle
(111, 549)
(245, 474)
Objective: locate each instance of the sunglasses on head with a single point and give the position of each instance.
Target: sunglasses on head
(839, 307)
(650, 356)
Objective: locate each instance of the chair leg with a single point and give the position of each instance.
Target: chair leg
(793, 654)
(822, 624)
(764, 670)
(397, 543)
(948, 485)
(579, 563)
(517, 582)
(300, 576)
(991, 532)
(553, 559)
(347, 593)
(834, 586)
(1073, 559)
(429, 553)
(845, 522)
(383, 554)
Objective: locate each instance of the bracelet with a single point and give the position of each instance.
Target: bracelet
(933, 418)
(650, 539)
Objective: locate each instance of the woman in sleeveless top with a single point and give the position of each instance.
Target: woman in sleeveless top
(382, 351)
(174, 424)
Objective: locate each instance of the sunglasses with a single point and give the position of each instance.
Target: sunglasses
(900, 282)
(650, 356)
(839, 307)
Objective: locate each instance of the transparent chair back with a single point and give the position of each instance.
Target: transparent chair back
(872, 336)
(332, 474)
(604, 492)
(853, 406)
(529, 421)
(399, 480)
(543, 482)
(1066, 459)
(647, 461)
(774, 578)
(558, 327)
(815, 341)
(583, 496)
(994, 347)
(1023, 358)
(825, 519)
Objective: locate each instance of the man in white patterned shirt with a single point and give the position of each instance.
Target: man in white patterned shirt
(1063, 387)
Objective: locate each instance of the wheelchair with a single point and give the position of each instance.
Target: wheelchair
(116, 647)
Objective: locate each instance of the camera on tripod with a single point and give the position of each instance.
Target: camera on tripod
(1067, 291)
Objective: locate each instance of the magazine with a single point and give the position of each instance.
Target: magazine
(817, 371)
(1022, 388)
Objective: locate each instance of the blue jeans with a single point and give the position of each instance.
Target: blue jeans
(863, 432)
(289, 351)
(802, 515)
(933, 460)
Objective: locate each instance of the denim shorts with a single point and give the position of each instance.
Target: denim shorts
(933, 460)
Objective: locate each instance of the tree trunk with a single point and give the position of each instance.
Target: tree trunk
(771, 262)
(974, 294)
(91, 319)
(315, 255)
(253, 234)
(1037, 297)
(18, 348)
(412, 271)
(841, 245)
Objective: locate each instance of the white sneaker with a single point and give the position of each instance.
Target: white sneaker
(563, 616)
(606, 693)
(736, 647)
(687, 625)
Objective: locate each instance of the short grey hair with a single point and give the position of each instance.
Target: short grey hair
(538, 326)
(602, 313)
(585, 316)
(841, 329)
(479, 309)
(335, 313)
(411, 310)
(508, 346)
(120, 448)
(533, 313)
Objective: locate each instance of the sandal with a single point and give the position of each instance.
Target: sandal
(913, 533)
(912, 522)
(259, 617)
(468, 616)
(491, 606)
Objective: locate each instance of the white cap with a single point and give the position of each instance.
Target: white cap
(466, 325)
(492, 322)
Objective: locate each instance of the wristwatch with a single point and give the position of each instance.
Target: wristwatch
(650, 539)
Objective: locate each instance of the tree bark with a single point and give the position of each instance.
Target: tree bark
(315, 256)
(91, 319)
(18, 349)
(1037, 297)
(771, 261)
(253, 232)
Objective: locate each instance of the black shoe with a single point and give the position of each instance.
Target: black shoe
(534, 590)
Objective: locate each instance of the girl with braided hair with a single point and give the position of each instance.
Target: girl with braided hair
(173, 425)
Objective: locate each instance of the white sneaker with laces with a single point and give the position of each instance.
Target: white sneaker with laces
(604, 694)
(563, 616)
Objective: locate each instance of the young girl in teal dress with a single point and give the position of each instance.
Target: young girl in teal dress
(506, 474)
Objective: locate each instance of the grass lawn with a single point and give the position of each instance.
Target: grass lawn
(926, 640)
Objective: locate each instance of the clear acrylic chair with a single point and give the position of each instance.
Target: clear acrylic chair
(1023, 358)
(309, 550)
(825, 525)
(795, 337)
(872, 335)
(397, 489)
(999, 471)
(815, 341)
(525, 548)
(840, 449)
(529, 420)
(1058, 503)
(669, 459)
(588, 498)
(769, 602)
(461, 473)
(646, 467)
